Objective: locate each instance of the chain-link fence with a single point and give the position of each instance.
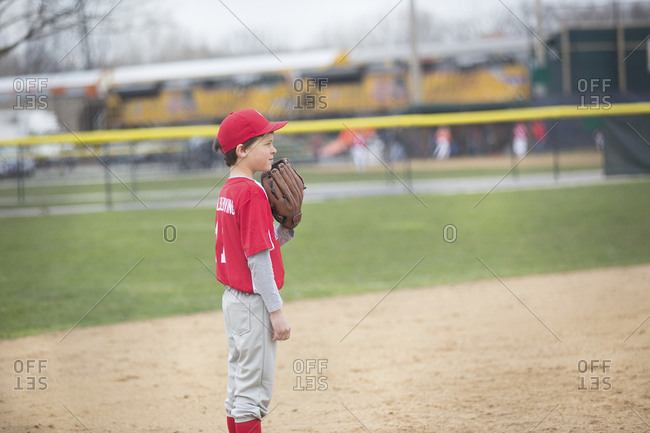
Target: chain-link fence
(142, 174)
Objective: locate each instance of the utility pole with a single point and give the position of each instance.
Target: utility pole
(414, 60)
(83, 26)
(540, 54)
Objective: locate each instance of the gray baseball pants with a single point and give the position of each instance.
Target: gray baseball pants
(251, 361)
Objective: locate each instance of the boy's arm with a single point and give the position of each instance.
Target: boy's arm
(283, 235)
(264, 283)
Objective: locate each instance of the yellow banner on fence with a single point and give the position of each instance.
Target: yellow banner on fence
(331, 125)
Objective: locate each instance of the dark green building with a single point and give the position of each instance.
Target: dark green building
(599, 60)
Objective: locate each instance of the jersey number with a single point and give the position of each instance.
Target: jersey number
(223, 251)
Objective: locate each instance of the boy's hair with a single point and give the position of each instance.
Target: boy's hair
(230, 157)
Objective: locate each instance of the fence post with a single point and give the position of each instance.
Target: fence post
(107, 179)
(513, 163)
(20, 180)
(556, 160)
(134, 168)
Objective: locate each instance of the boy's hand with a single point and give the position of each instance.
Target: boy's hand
(281, 328)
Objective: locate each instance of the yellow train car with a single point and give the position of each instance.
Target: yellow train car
(349, 90)
(482, 85)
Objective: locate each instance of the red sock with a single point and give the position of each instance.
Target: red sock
(231, 424)
(253, 426)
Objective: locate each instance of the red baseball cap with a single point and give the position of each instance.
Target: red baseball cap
(243, 125)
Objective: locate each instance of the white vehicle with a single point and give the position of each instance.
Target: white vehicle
(15, 162)
(20, 161)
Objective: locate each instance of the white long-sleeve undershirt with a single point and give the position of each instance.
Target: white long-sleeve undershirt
(262, 273)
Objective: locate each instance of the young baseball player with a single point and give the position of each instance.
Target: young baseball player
(249, 264)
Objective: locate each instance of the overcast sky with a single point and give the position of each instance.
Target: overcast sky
(148, 31)
(301, 22)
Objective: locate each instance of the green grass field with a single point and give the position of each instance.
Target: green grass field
(55, 269)
(208, 180)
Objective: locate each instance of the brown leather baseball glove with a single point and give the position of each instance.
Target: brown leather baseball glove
(284, 188)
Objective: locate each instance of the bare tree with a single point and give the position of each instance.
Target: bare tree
(23, 21)
(62, 35)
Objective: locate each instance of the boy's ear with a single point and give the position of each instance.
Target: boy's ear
(240, 151)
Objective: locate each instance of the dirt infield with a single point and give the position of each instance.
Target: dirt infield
(482, 356)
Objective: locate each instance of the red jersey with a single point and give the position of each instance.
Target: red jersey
(443, 134)
(519, 131)
(243, 227)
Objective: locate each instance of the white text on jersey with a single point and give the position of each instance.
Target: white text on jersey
(225, 205)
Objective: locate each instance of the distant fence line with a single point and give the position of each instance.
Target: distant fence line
(128, 156)
(332, 125)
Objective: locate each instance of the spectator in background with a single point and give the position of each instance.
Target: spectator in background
(491, 139)
(599, 140)
(474, 140)
(538, 130)
(316, 141)
(359, 151)
(520, 139)
(431, 142)
(393, 146)
(443, 143)
(356, 141)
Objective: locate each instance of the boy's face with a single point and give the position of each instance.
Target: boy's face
(260, 155)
